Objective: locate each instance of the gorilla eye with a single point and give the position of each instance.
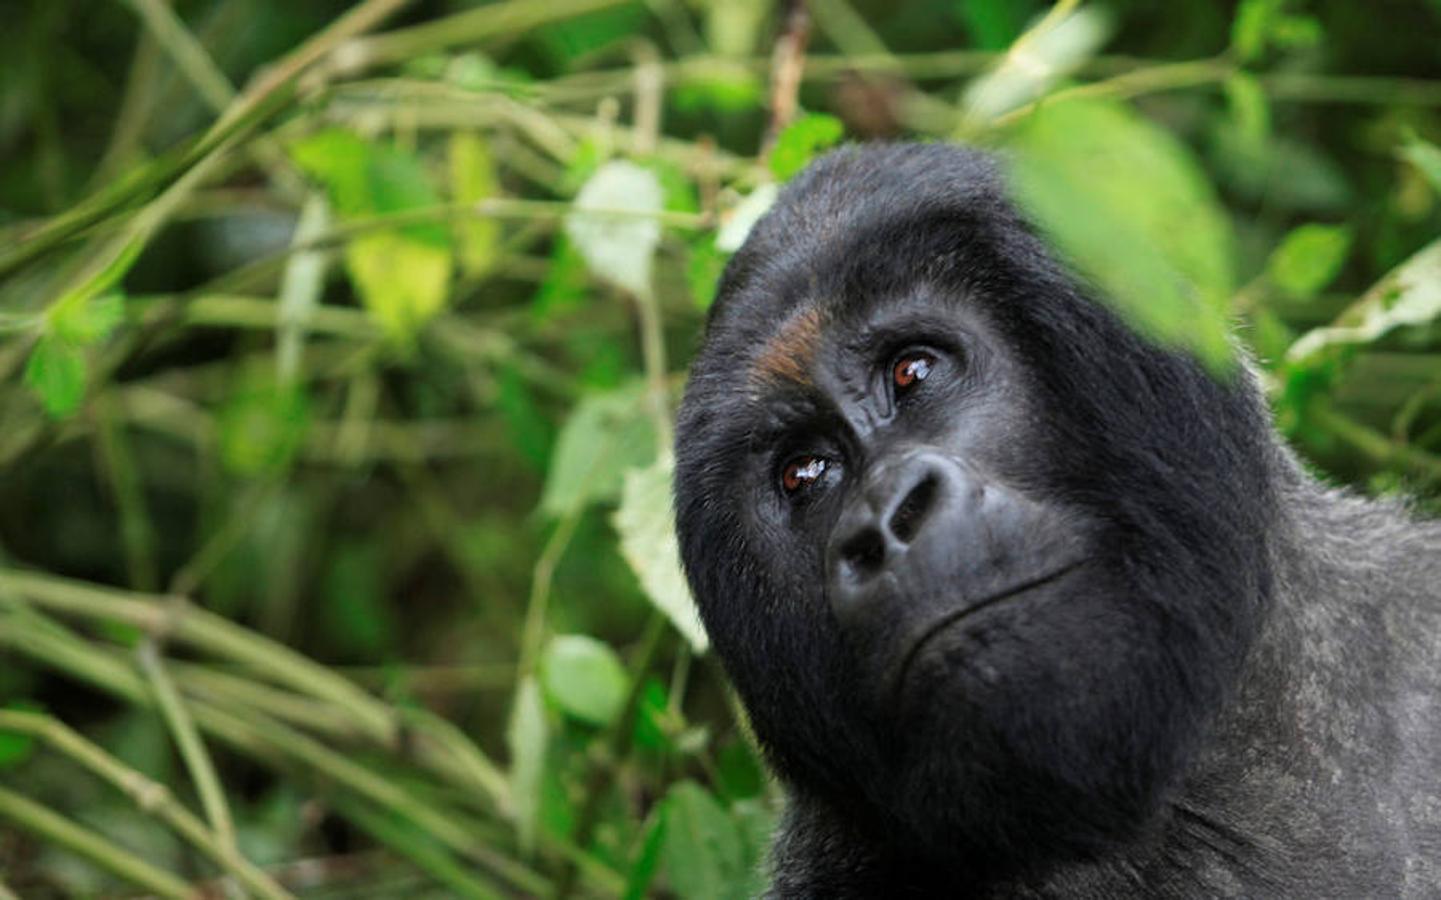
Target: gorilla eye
(912, 367)
(802, 472)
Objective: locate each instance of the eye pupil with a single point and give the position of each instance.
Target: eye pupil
(911, 368)
(802, 472)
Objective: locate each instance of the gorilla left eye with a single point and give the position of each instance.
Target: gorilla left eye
(912, 367)
(802, 472)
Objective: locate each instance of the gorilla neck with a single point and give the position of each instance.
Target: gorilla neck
(1310, 748)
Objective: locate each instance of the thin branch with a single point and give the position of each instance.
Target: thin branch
(57, 829)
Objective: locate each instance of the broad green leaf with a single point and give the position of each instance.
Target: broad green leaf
(584, 677)
(56, 372)
(88, 321)
(606, 434)
(1410, 294)
(473, 178)
(1035, 63)
(737, 224)
(527, 735)
(402, 274)
(1309, 258)
(801, 141)
(1426, 157)
(1127, 203)
(646, 522)
(702, 851)
(613, 223)
(647, 861)
(402, 281)
(263, 425)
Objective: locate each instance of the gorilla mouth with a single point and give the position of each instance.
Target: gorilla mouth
(945, 622)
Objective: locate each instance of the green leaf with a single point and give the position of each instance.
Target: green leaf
(1127, 203)
(584, 677)
(1410, 294)
(1426, 157)
(606, 434)
(702, 850)
(56, 372)
(473, 178)
(402, 274)
(90, 321)
(1039, 60)
(646, 523)
(1262, 24)
(800, 142)
(527, 736)
(1309, 258)
(403, 282)
(619, 248)
(263, 425)
(647, 860)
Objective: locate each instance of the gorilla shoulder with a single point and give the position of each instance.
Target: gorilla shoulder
(1022, 604)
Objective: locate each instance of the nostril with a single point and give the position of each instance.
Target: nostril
(863, 554)
(911, 513)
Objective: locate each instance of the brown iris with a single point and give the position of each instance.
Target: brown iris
(803, 471)
(911, 368)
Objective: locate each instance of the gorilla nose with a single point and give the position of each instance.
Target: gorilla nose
(896, 505)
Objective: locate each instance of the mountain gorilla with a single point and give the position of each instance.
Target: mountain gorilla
(1024, 605)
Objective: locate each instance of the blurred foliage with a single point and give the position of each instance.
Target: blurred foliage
(339, 343)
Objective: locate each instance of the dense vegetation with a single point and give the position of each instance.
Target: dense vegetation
(339, 342)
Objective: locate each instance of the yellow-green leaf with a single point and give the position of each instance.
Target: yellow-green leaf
(472, 179)
(402, 281)
(1130, 207)
(1309, 258)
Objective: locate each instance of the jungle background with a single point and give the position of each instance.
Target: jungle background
(339, 343)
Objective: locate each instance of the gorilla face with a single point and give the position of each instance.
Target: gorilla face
(980, 561)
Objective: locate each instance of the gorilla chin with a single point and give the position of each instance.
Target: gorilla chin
(1022, 604)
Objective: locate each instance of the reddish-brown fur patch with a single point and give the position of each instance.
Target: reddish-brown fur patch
(791, 350)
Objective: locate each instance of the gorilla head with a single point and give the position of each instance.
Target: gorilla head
(982, 563)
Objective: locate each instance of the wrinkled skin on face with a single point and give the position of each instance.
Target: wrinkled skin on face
(978, 559)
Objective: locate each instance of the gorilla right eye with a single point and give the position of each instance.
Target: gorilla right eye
(802, 472)
(911, 367)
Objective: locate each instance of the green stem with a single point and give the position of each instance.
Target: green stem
(188, 743)
(148, 795)
(469, 27)
(59, 830)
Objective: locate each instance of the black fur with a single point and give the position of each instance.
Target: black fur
(1234, 695)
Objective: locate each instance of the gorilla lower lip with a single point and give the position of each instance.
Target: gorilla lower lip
(947, 621)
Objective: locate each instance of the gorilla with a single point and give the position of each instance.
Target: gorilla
(1022, 604)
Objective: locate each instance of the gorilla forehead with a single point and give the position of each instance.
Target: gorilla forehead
(856, 228)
